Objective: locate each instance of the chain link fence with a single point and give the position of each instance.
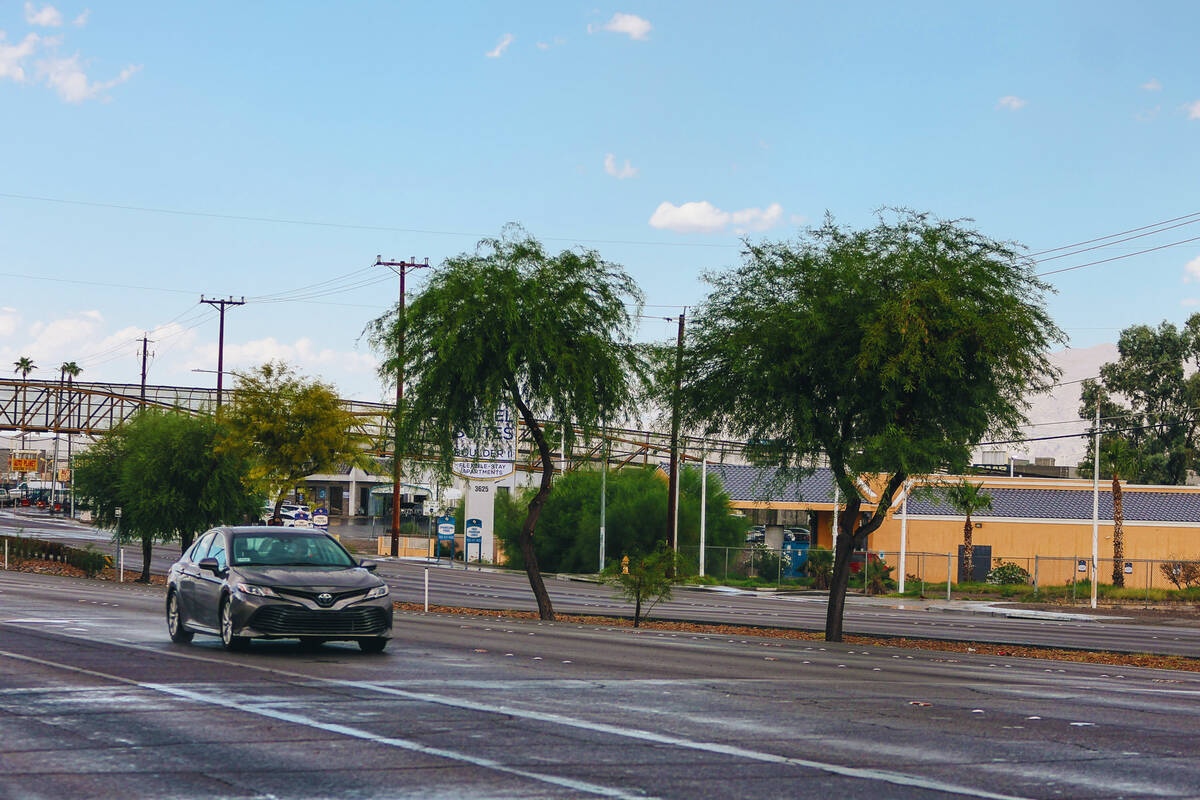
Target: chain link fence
(1060, 575)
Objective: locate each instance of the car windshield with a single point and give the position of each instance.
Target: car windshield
(273, 549)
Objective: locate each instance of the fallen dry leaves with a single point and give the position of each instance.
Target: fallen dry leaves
(1147, 660)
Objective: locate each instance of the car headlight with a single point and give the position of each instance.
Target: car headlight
(257, 591)
(378, 591)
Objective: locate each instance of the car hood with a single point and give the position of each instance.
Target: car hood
(309, 578)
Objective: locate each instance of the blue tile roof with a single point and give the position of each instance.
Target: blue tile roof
(754, 484)
(747, 484)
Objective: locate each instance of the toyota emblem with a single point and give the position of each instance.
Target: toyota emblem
(325, 599)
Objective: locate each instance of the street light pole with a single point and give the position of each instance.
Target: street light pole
(1096, 503)
(401, 268)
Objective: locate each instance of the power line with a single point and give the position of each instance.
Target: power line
(1117, 241)
(1117, 258)
(340, 225)
(1111, 235)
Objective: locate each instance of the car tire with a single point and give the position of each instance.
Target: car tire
(228, 640)
(179, 634)
(376, 645)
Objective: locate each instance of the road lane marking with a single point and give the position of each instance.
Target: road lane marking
(884, 776)
(343, 730)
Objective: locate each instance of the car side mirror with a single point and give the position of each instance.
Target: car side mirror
(369, 566)
(211, 565)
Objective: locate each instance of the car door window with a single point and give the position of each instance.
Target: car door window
(201, 547)
(217, 551)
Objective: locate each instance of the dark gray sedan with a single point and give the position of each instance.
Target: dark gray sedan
(276, 583)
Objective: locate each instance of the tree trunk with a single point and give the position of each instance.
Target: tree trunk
(147, 548)
(839, 579)
(525, 540)
(968, 556)
(1118, 575)
(637, 609)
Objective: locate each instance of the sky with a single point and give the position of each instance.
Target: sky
(157, 152)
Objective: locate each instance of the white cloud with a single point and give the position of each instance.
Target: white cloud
(82, 19)
(501, 46)
(47, 17)
(1191, 270)
(799, 219)
(1011, 102)
(10, 320)
(757, 219)
(66, 76)
(629, 24)
(704, 217)
(1152, 85)
(12, 56)
(1192, 109)
(543, 46)
(627, 171)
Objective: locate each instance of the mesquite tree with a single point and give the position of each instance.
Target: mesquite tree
(511, 326)
(885, 353)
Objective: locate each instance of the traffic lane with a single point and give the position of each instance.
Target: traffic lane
(485, 589)
(505, 591)
(1019, 722)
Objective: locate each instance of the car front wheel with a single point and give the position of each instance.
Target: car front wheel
(179, 634)
(230, 641)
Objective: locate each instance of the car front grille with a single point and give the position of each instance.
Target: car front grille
(315, 596)
(293, 621)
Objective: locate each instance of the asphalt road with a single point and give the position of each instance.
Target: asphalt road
(915, 619)
(96, 702)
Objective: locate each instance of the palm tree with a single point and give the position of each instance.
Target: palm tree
(24, 365)
(967, 498)
(1118, 572)
(71, 370)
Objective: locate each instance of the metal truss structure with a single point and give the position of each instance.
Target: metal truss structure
(91, 409)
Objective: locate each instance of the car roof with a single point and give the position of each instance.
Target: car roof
(274, 530)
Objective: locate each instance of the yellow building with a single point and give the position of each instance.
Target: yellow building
(1042, 524)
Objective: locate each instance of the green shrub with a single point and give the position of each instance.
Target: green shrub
(1008, 574)
(819, 567)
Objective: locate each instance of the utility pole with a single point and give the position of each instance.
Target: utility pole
(220, 306)
(145, 343)
(1096, 503)
(401, 268)
(673, 479)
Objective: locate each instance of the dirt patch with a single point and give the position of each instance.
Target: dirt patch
(967, 649)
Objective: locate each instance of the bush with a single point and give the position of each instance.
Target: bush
(878, 578)
(89, 560)
(1008, 573)
(819, 567)
(1184, 574)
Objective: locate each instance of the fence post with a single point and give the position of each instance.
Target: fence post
(1074, 576)
(121, 559)
(1035, 575)
(1148, 582)
(779, 570)
(949, 566)
(921, 566)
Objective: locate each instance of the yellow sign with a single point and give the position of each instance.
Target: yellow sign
(64, 475)
(23, 461)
